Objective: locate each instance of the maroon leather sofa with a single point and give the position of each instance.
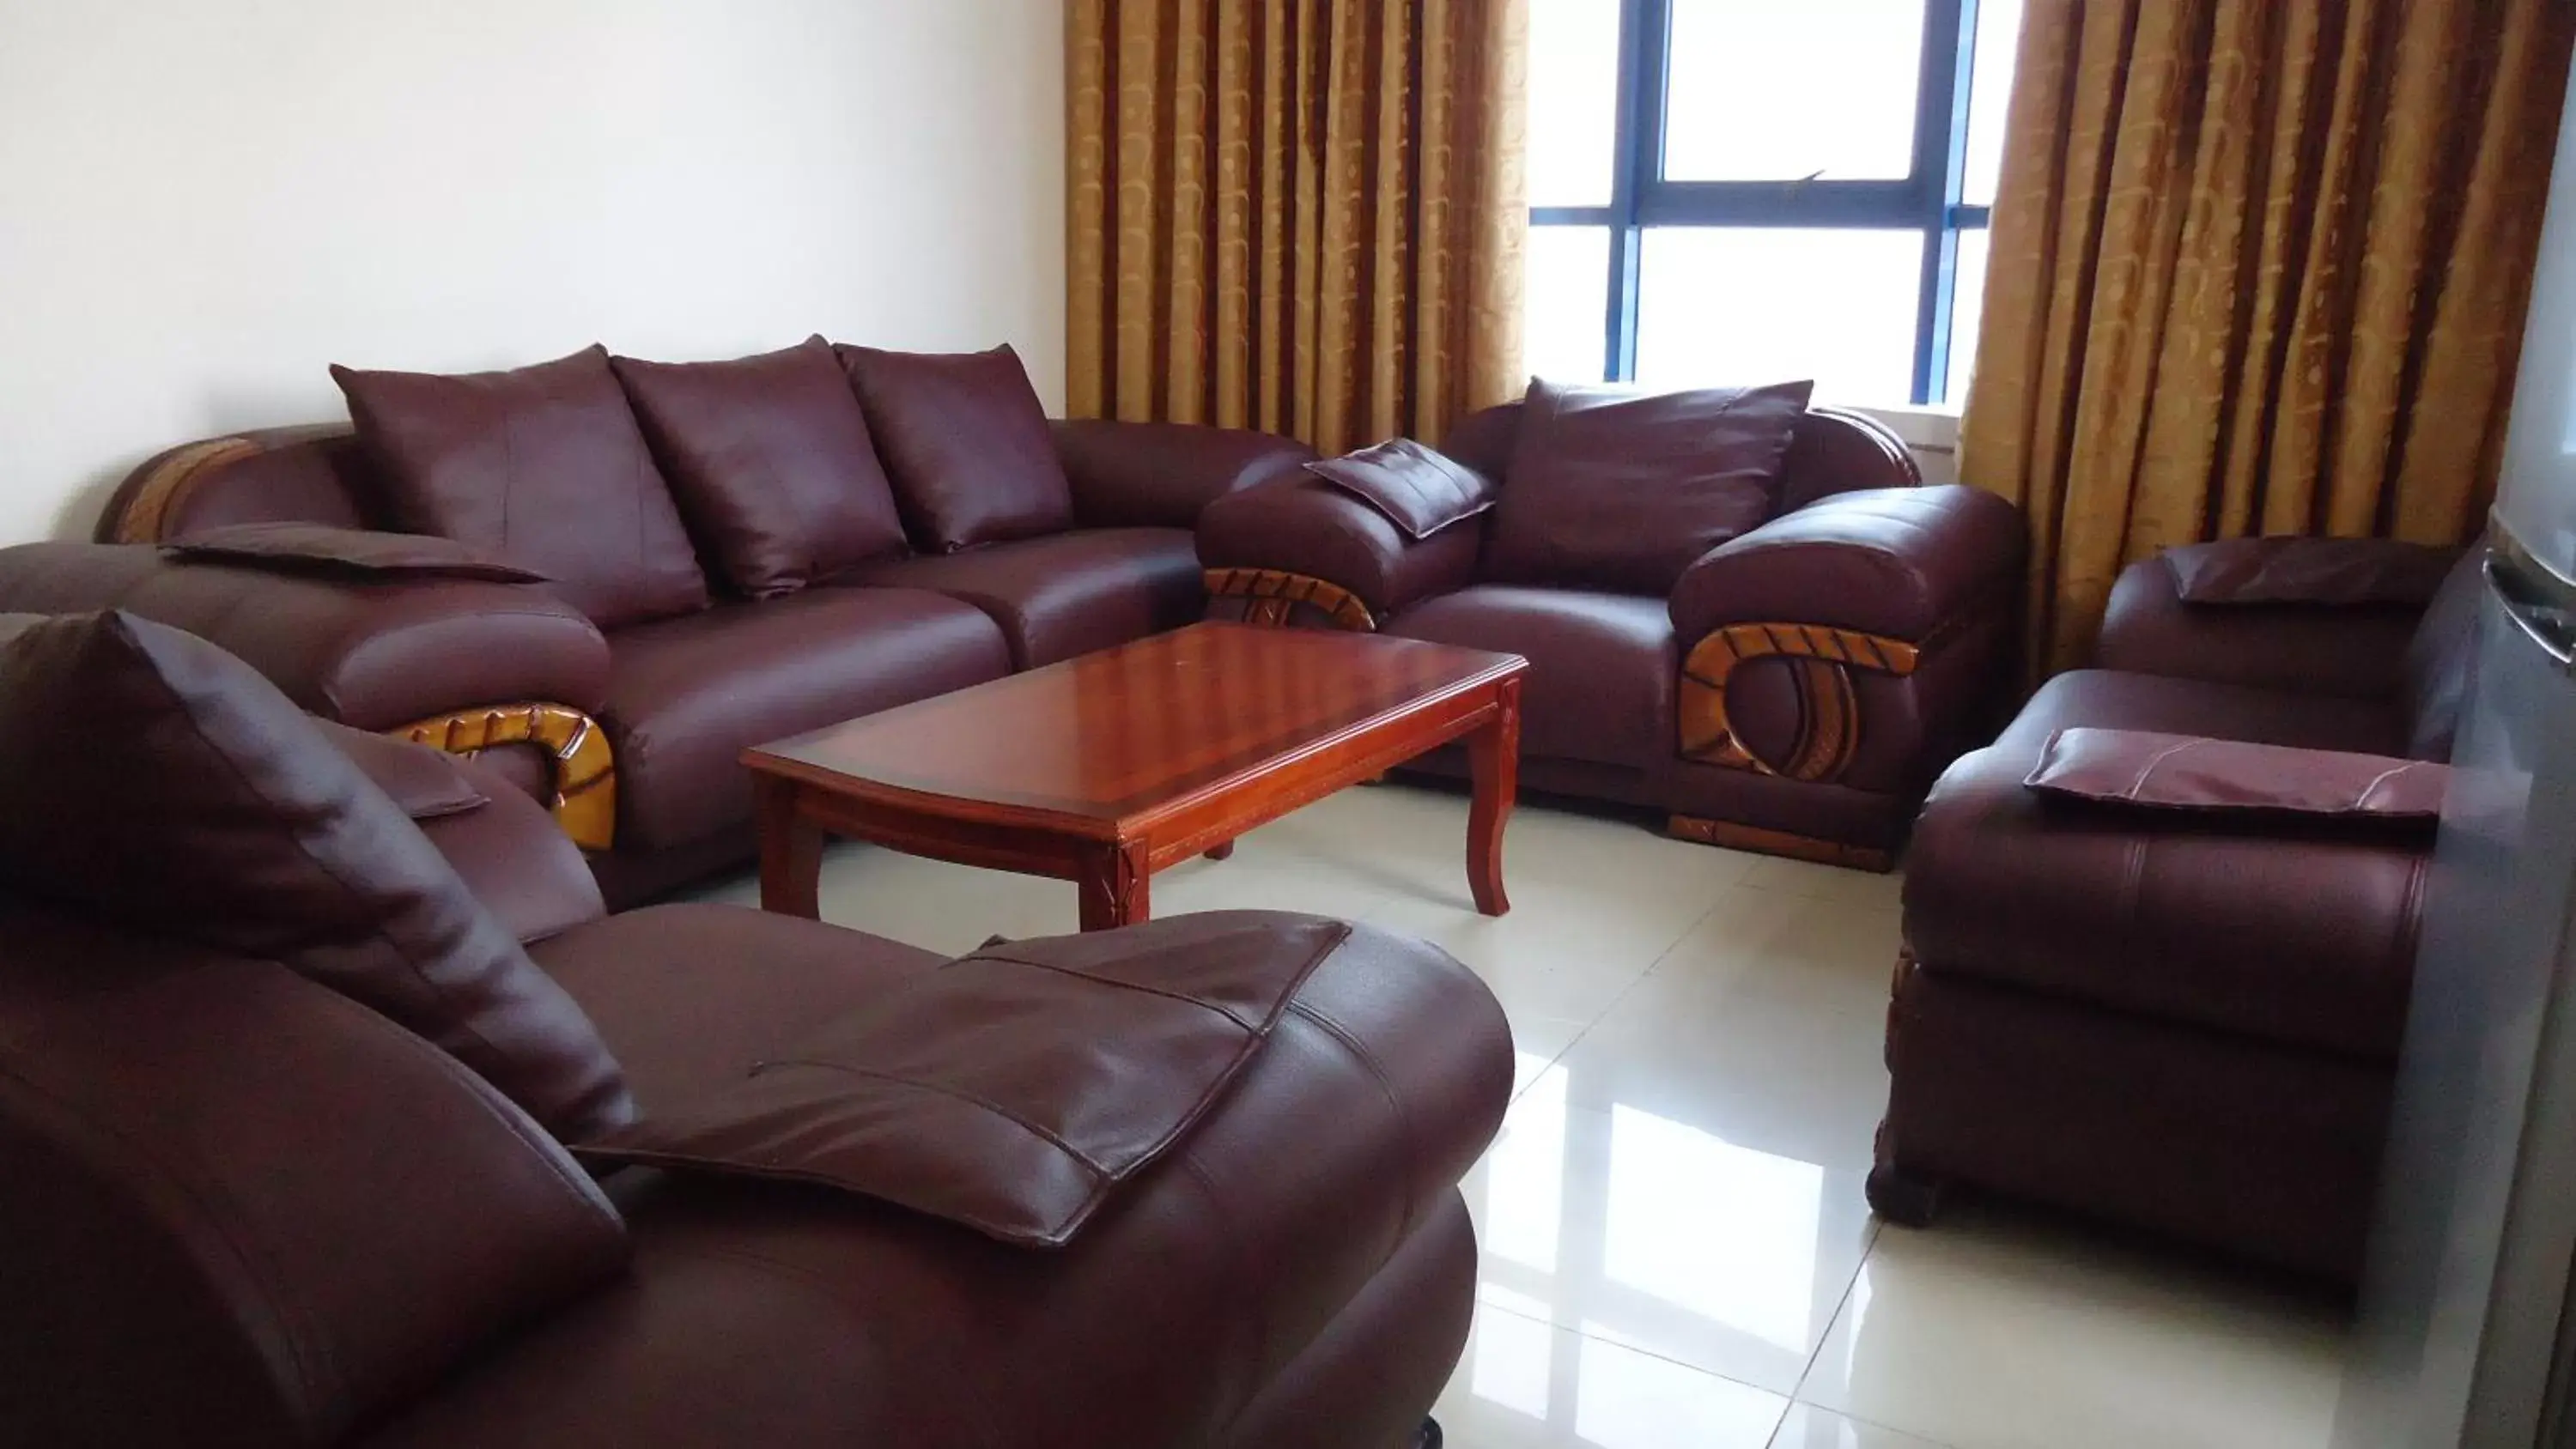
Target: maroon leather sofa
(249, 1202)
(1795, 693)
(2185, 1020)
(632, 727)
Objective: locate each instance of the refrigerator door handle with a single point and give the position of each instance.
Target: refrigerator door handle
(2533, 618)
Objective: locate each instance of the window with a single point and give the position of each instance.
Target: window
(1738, 191)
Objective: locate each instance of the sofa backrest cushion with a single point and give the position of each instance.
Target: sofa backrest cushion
(150, 778)
(243, 1210)
(1614, 489)
(543, 465)
(771, 462)
(2435, 682)
(966, 441)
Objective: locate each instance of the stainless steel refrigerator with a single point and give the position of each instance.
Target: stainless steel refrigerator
(2465, 1334)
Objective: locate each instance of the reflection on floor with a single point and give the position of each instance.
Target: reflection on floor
(1676, 1252)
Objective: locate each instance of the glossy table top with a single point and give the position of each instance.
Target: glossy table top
(1127, 729)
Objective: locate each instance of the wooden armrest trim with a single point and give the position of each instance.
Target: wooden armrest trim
(147, 512)
(585, 772)
(1272, 597)
(1821, 660)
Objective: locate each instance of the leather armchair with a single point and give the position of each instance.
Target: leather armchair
(362, 1241)
(1795, 693)
(2186, 1021)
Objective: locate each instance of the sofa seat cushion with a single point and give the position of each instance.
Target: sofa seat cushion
(696, 994)
(768, 1313)
(1069, 593)
(1600, 683)
(687, 696)
(2109, 699)
(2263, 930)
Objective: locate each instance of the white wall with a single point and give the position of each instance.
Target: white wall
(203, 202)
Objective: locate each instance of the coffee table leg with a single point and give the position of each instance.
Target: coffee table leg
(1116, 888)
(791, 852)
(1494, 761)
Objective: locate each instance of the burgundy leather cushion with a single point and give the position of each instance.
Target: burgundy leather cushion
(687, 696)
(2147, 770)
(543, 465)
(642, 975)
(2307, 571)
(242, 1210)
(1070, 593)
(1418, 489)
(427, 784)
(1600, 681)
(1017, 1090)
(148, 776)
(770, 459)
(966, 441)
(1615, 489)
(350, 553)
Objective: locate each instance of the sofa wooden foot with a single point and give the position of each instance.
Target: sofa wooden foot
(1904, 1199)
(1779, 842)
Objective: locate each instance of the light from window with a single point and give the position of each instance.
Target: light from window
(1574, 83)
(1568, 294)
(1968, 311)
(1738, 192)
(1747, 105)
(1750, 305)
(1998, 31)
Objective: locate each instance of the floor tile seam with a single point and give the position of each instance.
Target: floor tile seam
(1842, 1305)
(1795, 1405)
(1625, 1346)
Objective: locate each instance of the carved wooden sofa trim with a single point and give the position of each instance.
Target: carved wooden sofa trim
(1274, 597)
(585, 773)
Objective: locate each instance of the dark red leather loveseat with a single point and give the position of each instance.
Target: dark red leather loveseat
(735, 552)
(287, 1083)
(2186, 1020)
(1795, 691)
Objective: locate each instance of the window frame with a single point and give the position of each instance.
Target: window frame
(1927, 200)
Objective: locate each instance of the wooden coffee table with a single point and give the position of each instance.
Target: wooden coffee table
(1105, 769)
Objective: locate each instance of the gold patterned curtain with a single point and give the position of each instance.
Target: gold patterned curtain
(2259, 266)
(1303, 216)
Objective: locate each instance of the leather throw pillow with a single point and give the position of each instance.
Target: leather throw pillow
(1620, 490)
(544, 466)
(966, 442)
(771, 462)
(148, 777)
(1418, 489)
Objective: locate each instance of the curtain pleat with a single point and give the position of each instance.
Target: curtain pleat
(2258, 266)
(1304, 216)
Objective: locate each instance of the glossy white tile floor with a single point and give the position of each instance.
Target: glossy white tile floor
(1676, 1251)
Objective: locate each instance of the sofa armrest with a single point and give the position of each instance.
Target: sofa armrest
(1902, 563)
(1162, 474)
(1282, 539)
(2299, 570)
(1838, 605)
(2262, 926)
(2353, 651)
(375, 656)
